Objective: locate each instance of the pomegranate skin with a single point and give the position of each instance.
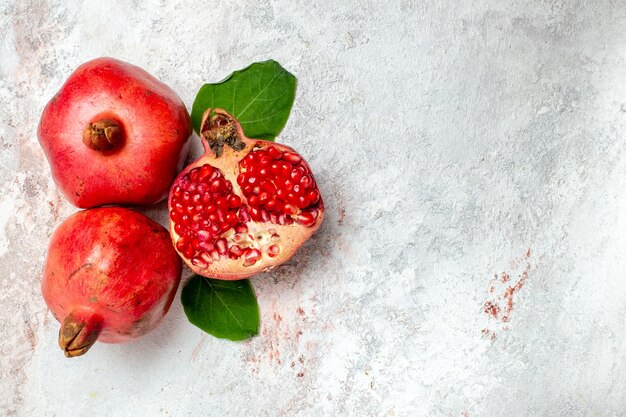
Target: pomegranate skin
(153, 131)
(110, 275)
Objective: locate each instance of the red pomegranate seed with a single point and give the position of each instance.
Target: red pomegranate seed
(244, 214)
(236, 250)
(306, 181)
(302, 202)
(306, 218)
(204, 235)
(292, 158)
(274, 153)
(313, 196)
(216, 185)
(234, 201)
(273, 251)
(253, 200)
(289, 208)
(220, 245)
(271, 204)
(241, 228)
(205, 172)
(181, 243)
(251, 257)
(222, 203)
(268, 187)
(255, 213)
(200, 263)
(206, 246)
(231, 219)
(188, 252)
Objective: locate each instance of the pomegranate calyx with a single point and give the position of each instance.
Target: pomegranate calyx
(103, 135)
(218, 129)
(79, 332)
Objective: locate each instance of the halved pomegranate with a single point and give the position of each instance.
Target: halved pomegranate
(243, 207)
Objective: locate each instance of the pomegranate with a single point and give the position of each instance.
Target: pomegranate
(243, 207)
(114, 134)
(110, 275)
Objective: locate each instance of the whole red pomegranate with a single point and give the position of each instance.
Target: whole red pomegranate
(243, 207)
(110, 275)
(114, 134)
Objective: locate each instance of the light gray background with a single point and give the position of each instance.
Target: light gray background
(452, 141)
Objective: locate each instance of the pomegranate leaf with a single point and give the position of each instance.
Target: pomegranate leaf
(259, 96)
(224, 309)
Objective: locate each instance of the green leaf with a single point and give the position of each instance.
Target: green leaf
(260, 97)
(225, 309)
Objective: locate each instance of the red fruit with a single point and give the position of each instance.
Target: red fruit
(114, 134)
(110, 275)
(261, 203)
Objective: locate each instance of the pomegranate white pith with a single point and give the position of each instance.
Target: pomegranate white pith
(245, 206)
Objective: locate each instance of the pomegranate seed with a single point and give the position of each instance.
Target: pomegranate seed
(231, 219)
(247, 189)
(185, 219)
(263, 172)
(204, 235)
(274, 153)
(205, 172)
(281, 194)
(292, 158)
(252, 180)
(215, 228)
(255, 190)
(295, 175)
(273, 251)
(255, 213)
(285, 170)
(251, 257)
(242, 179)
(215, 255)
(181, 243)
(177, 191)
(307, 218)
(302, 202)
(268, 187)
(236, 251)
(211, 208)
(289, 208)
(275, 168)
(214, 217)
(265, 216)
(288, 185)
(196, 217)
(222, 203)
(188, 252)
(298, 189)
(234, 201)
(264, 160)
(206, 246)
(307, 181)
(220, 245)
(263, 197)
(216, 185)
(274, 217)
(178, 228)
(200, 263)
(241, 228)
(244, 215)
(206, 257)
(253, 200)
(193, 175)
(271, 204)
(186, 196)
(192, 188)
(313, 196)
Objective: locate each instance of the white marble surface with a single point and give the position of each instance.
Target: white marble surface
(452, 140)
